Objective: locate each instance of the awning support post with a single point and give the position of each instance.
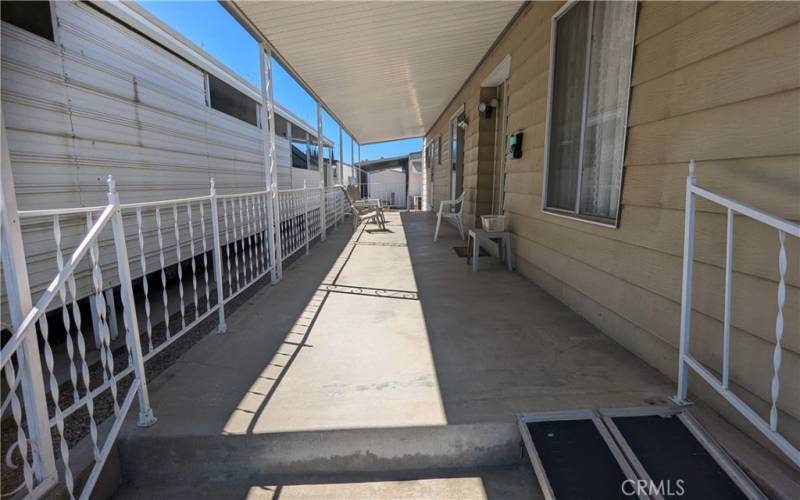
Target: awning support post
(321, 166)
(42, 470)
(270, 164)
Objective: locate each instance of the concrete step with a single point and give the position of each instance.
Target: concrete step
(510, 482)
(250, 457)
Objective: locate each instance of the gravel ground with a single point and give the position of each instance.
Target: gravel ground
(77, 425)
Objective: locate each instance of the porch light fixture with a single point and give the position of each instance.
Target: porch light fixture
(488, 108)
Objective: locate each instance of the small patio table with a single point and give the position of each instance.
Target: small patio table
(475, 236)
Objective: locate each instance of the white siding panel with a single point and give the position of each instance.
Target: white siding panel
(284, 156)
(112, 102)
(301, 175)
(86, 31)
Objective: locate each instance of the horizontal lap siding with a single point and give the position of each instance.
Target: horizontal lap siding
(112, 102)
(106, 100)
(716, 82)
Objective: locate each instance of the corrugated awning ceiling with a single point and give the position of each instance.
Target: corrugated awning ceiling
(386, 69)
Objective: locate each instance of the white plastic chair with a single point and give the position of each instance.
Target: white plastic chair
(453, 214)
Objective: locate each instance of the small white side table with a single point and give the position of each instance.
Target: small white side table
(474, 238)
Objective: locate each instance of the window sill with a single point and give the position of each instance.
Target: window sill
(597, 221)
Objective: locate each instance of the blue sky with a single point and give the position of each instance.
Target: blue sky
(208, 24)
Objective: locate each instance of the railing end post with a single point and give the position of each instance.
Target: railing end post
(677, 400)
(113, 196)
(146, 418)
(692, 172)
(213, 190)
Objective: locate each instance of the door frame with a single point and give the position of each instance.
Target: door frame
(452, 124)
(501, 131)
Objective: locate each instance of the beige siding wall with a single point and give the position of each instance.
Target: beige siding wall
(715, 82)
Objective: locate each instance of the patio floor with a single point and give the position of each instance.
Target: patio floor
(389, 329)
(381, 366)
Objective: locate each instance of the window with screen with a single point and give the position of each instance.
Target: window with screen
(312, 157)
(588, 109)
(230, 101)
(429, 153)
(281, 126)
(30, 16)
(299, 154)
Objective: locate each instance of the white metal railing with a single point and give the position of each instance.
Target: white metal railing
(686, 361)
(301, 216)
(187, 259)
(335, 206)
(105, 383)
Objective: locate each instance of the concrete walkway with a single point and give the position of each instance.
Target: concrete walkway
(388, 329)
(382, 367)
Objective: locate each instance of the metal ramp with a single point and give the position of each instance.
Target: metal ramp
(648, 453)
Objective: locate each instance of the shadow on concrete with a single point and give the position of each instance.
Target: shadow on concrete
(502, 345)
(389, 336)
(378, 331)
(390, 329)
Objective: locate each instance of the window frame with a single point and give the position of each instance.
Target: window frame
(292, 143)
(430, 147)
(207, 78)
(452, 127)
(53, 24)
(576, 214)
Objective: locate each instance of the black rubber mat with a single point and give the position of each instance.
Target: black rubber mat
(577, 460)
(462, 252)
(669, 452)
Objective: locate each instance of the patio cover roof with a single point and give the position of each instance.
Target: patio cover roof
(385, 70)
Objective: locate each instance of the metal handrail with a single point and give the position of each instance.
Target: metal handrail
(24, 214)
(245, 226)
(26, 326)
(754, 213)
(157, 203)
(685, 359)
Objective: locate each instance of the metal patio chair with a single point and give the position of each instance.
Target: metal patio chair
(363, 210)
(453, 214)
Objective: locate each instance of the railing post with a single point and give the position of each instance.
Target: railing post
(686, 286)
(19, 305)
(305, 216)
(726, 325)
(337, 199)
(335, 206)
(129, 317)
(216, 255)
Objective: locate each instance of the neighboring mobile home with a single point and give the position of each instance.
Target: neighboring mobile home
(107, 88)
(612, 105)
(92, 89)
(396, 181)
